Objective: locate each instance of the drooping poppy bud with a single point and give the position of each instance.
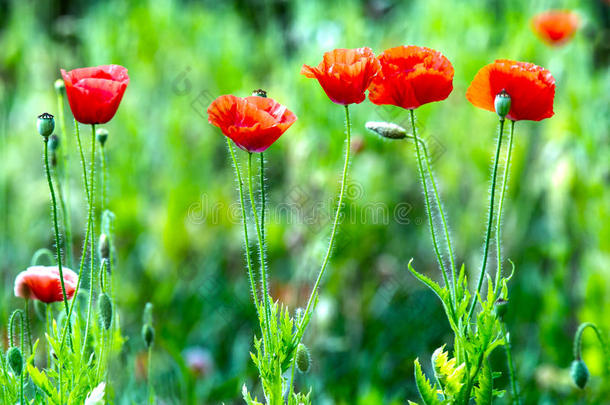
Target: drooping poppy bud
(104, 306)
(15, 360)
(101, 135)
(104, 246)
(60, 86)
(303, 358)
(45, 124)
(387, 129)
(500, 307)
(502, 104)
(579, 373)
(148, 335)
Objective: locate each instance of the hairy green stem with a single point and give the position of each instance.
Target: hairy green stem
(500, 207)
(428, 208)
(149, 390)
(261, 246)
(27, 326)
(91, 235)
(489, 221)
(246, 241)
(262, 186)
(511, 365)
(312, 298)
(55, 225)
(63, 194)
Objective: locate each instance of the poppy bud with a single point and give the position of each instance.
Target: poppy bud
(102, 135)
(104, 246)
(579, 373)
(59, 85)
(15, 360)
(386, 129)
(45, 124)
(53, 143)
(260, 93)
(148, 335)
(104, 307)
(303, 358)
(500, 307)
(502, 104)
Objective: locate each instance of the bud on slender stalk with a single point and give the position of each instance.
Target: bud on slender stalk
(579, 373)
(101, 135)
(303, 358)
(45, 124)
(387, 130)
(15, 360)
(104, 246)
(59, 85)
(500, 307)
(148, 335)
(53, 143)
(104, 306)
(502, 104)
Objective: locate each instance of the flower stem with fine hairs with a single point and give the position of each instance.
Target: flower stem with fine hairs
(428, 205)
(246, 242)
(261, 246)
(262, 185)
(489, 221)
(91, 235)
(314, 292)
(55, 225)
(104, 177)
(27, 325)
(511, 365)
(63, 194)
(501, 205)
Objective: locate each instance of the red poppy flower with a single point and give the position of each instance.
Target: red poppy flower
(253, 123)
(411, 76)
(530, 87)
(345, 74)
(94, 93)
(555, 27)
(43, 283)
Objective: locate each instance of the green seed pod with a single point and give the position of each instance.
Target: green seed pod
(579, 373)
(303, 358)
(45, 124)
(53, 143)
(386, 130)
(104, 246)
(59, 85)
(501, 306)
(101, 135)
(260, 93)
(148, 335)
(502, 104)
(104, 307)
(15, 360)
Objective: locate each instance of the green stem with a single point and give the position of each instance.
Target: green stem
(151, 399)
(489, 220)
(246, 241)
(91, 235)
(261, 246)
(428, 206)
(63, 194)
(104, 177)
(294, 365)
(600, 337)
(312, 298)
(263, 202)
(48, 316)
(501, 205)
(27, 326)
(511, 365)
(55, 225)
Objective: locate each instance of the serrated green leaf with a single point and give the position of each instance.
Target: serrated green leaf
(426, 390)
(483, 392)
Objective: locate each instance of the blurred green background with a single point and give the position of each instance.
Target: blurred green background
(178, 234)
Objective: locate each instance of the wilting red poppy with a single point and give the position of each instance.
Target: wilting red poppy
(43, 283)
(411, 76)
(253, 123)
(94, 93)
(531, 89)
(555, 27)
(345, 74)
